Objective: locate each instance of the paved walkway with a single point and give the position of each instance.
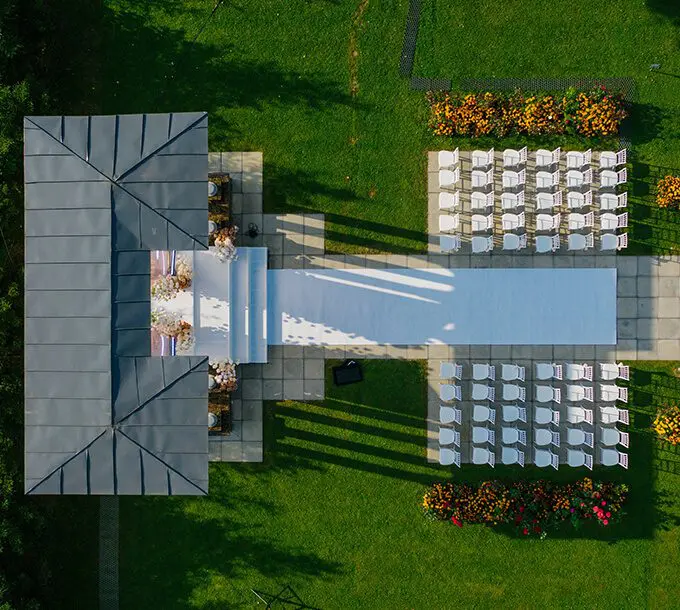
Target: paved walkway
(648, 311)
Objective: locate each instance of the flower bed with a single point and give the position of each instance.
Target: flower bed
(668, 192)
(667, 424)
(533, 507)
(166, 286)
(224, 240)
(595, 113)
(222, 376)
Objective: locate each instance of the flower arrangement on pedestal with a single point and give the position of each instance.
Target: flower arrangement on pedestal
(668, 192)
(532, 507)
(168, 285)
(222, 375)
(169, 324)
(225, 243)
(667, 424)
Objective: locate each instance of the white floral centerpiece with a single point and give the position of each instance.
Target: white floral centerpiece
(225, 247)
(222, 375)
(169, 324)
(167, 286)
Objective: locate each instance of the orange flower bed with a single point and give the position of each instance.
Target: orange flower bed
(596, 113)
(668, 192)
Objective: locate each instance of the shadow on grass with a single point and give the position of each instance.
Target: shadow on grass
(646, 123)
(203, 544)
(155, 68)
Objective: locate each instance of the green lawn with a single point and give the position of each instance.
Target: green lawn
(334, 511)
(315, 86)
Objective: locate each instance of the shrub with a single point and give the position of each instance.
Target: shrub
(667, 424)
(595, 113)
(668, 192)
(532, 507)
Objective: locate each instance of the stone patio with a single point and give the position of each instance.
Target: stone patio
(648, 312)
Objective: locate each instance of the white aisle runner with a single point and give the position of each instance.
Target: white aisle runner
(450, 306)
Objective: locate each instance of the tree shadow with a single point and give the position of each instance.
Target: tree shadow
(666, 8)
(154, 68)
(184, 545)
(646, 123)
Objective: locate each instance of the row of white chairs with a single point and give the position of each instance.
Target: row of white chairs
(542, 437)
(544, 222)
(609, 242)
(544, 201)
(571, 371)
(542, 415)
(543, 393)
(449, 179)
(544, 158)
(543, 458)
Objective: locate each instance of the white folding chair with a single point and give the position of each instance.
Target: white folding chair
(581, 221)
(548, 370)
(578, 393)
(544, 458)
(547, 243)
(548, 201)
(546, 222)
(512, 435)
(577, 458)
(512, 157)
(482, 392)
(613, 457)
(513, 413)
(482, 434)
(610, 437)
(546, 393)
(450, 370)
(449, 456)
(547, 179)
(481, 244)
(481, 178)
(448, 158)
(546, 415)
(575, 371)
(481, 201)
(511, 455)
(578, 241)
(449, 178)
(482, 158)
(577, 200)
(450, 243)
(481, 222)
(512, 391)
(609, 159)
(610, 201)
(510, 221)
(481, 455)
(577, 178)
(512, 241)
(611, 222)
(449, 222)
(480, 372)
(481, 414)
(450, 415)
(576, 159)
(577, 437)
(610, 178)
(512, 372)
(511, 201)
(614, 415)
(449, 392)
(449, 436)
(609, 241)
(544, 158)
(449, 201)
(512, 179)
(579, 415)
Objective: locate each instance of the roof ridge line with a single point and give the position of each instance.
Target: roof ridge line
(73, 457)
(157, 394)
(114, 182)
(156, 150)
(168, 466)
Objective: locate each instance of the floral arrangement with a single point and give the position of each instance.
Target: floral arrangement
(532, 507)
(166, 286)
(223, 374)
(668, 192)
(594, 113)
(667, 424)
(169, 324)
(224, 241)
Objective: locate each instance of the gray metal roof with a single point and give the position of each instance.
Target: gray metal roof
(102, 415)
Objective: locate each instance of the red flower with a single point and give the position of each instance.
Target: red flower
(604, 503)
(605, 522)
(607, 515)
(525, 531)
